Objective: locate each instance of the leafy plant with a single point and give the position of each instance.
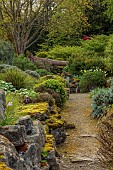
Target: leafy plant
(52, 84)
(28, 95)
(44, 153)
(7, 86)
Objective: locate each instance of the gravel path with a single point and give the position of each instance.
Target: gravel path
(79, 152)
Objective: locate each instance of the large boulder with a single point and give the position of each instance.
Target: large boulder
(15, 133)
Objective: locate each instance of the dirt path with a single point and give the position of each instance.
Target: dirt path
(79, 152)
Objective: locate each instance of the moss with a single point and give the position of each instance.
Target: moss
(34, 108)
(1, 156)
(3, 166)
(57, 116)
(49, 143)
(49, 139)
(46, 129)
(54, 122)
(48, 147)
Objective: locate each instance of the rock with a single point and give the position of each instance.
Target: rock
(38, 129)
(70, 126)
(8, 153)
(59, 135)
(40, 116)
(36, 167)
(32, 156)
(2, 105)
(27, 122)
(52, 161)
(81, 159)
(15, 133)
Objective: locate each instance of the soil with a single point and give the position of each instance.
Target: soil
(80, 150)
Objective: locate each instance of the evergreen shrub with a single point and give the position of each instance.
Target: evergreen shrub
(91, 80)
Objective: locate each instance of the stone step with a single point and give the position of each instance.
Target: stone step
(81, 159)
(88, 135)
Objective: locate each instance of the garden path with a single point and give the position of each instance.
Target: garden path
(79, 151)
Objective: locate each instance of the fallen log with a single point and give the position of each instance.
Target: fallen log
(48, 61)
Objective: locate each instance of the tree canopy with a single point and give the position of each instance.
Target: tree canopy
(18, 18)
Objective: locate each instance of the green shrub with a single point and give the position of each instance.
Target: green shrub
(81, 61)
(23, 63)
(6, 52)
(42, 72)
(55, 77)
(55, 85)
(33, 73)
(91, 80)
(101, 101)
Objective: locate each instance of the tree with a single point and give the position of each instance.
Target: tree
(109, 8)
(97, 19)
(19, 17)
(68, 22)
